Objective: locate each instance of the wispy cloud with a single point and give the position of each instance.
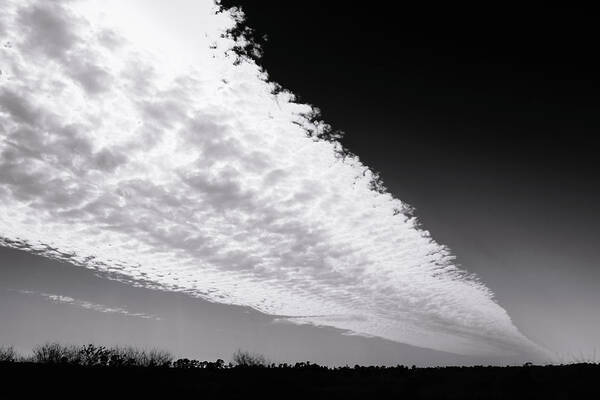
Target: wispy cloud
(56, 298)
(211, 182)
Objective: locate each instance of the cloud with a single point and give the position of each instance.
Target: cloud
(46, 28)
(206, 179)
(56, 298)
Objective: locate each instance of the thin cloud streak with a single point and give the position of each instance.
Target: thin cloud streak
(56, 298)
(207, 180)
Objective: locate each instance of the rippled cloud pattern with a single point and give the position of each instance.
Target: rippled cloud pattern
(211, 181)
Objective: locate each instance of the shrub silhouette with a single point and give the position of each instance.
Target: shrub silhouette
(246, 359)
(91, 355)
(7, 354)
(157, 358)
(56, 353)
(186, 363)
(99, 356)
(134, 357)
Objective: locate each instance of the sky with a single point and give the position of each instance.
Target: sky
(160, 190)
(485, 121)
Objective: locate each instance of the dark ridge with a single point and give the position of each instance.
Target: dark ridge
(303, 380)
(61, 370)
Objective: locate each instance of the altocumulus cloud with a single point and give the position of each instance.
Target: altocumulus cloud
(208, 180)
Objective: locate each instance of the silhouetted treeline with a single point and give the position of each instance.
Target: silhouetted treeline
(71, 371)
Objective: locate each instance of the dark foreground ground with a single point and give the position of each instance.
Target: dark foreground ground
(581, 381)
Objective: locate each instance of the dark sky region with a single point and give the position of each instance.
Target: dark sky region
(483, 119)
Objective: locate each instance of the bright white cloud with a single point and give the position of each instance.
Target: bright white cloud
(201, 180)
(56, 298)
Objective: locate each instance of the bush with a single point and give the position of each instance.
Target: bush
(186, 363)
(92, 356)
(246, 359)
(56, 353)
(7, 354)
(133, 357)
(157, 358)
(100, 356)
